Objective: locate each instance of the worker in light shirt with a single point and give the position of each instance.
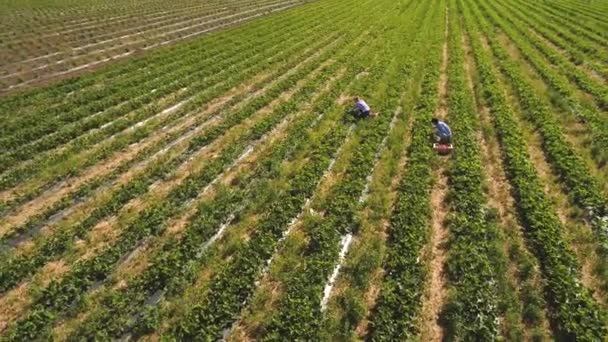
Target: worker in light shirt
(362, 109)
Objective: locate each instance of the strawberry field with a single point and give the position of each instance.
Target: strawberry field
(214, 183)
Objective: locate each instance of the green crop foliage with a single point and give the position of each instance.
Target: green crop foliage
(194, 170)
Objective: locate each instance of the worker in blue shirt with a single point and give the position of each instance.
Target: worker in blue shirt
(443, 133)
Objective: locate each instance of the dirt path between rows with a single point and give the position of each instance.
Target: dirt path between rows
(499, 191)
(435, 253)
(210, 113)
(104, 234)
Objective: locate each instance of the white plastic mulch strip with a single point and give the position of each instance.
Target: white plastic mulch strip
(345, 243)
(369, 178)
(347, 239)
(216, 236)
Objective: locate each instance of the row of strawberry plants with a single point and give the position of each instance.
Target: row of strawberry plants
(98, 54)
(142, 158)
(180, 114)
(563, 35)
(85, 90)
(174, 267)
(16, 268)
(129, 101)
(582, 187)
(151, 222)
(577, 314)
(580, 49)
(583, 80)
(76, 45)
(471, 309)
(235, 282)
(74, 18)
(568, 100)
(400, 298)
(82, 58)
(298, 313)
(588, 17)
(130, 136)
(144, 155)
(576, 26)
(50, 248)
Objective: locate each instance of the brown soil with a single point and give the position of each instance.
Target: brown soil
(373, 292)
(136, 52)
(344, 99)
(436, 292)
(14, 303)
(584, 67)
(371, 296)
(499, 189)
(139, 262)
(564, 209)
(51, 197)
(48, 198)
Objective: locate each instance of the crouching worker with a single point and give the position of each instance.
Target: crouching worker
(362, 109)
(442, 132)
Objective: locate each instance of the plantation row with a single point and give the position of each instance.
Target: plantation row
(41, 51)
(221, 189)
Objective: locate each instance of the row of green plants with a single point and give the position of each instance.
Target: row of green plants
(576, 313)
(583, 188)
(228, 292)
(128, 137)
(588, 16)
(150, 222)
(95, 89)
(94, 54)
(579, 77)
(49, 248)
(146, 153)
(472, 308)
(398, 305)
(176, 265)
(521, 303)
(298, 314)
(567, 19)
(86, 89)
(565, 37)
(136, 109)
(592, 118)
